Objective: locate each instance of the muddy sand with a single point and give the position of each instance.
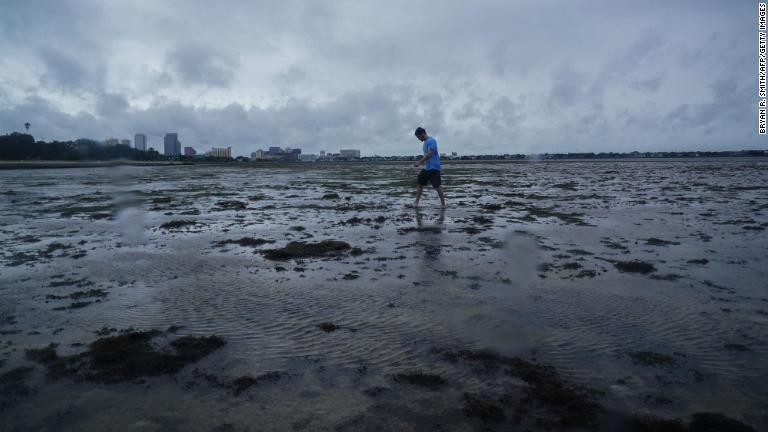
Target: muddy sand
(547, 296)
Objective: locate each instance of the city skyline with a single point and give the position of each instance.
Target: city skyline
(355, 154)
(171, 144)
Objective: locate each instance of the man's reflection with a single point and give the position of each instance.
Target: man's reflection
(429, 234)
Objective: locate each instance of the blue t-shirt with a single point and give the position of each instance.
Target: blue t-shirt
(433, 163)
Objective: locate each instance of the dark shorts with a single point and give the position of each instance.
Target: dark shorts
(429, 176)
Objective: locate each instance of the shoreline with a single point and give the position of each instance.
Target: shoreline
(40, 164)
(514, 161)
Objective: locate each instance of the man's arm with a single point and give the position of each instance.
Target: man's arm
(423, 158)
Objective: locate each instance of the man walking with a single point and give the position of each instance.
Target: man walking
(431, 171)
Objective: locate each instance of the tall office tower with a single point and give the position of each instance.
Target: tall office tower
(140, 142)
(172, 145)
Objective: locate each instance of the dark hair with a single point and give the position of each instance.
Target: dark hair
(420, 131)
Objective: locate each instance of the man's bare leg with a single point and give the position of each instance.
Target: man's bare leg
(441, 194)
(419, 189)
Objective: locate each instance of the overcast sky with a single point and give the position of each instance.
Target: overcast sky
(481, 76)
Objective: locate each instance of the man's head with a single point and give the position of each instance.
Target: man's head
(420, 133)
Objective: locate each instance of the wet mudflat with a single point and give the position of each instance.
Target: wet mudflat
(547, 296)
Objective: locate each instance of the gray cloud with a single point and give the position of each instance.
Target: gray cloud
(489, 76)
(290, 76)
(648, 84)
(194, 63)
(568, 87)
(68, 72)
(111, 104)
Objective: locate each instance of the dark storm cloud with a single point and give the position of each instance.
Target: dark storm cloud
(196, 64)
(365, 117)
(503, 113)
(728, 104)
(648, 84)
(568, 87)
(48, 121)
(111, 104)
(489, 76)
(68, 72)
(56, 42)
(61, 23)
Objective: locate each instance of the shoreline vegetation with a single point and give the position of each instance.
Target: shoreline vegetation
(21, 151)
(46, 164)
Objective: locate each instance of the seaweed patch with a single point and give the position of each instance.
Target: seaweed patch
(126, 356)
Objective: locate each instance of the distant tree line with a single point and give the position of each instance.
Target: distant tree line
(605, 155)
(21, 146)
(662, 154)
(18, 146)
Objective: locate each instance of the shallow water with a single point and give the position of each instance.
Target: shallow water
(533, 277)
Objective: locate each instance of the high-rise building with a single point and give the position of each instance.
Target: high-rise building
(189, 151)
(274, 151)
(111, 141)
(350, 154)
(292, 155)
(221, 152)
(172, 145)
(125, 142)
(140, 142)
